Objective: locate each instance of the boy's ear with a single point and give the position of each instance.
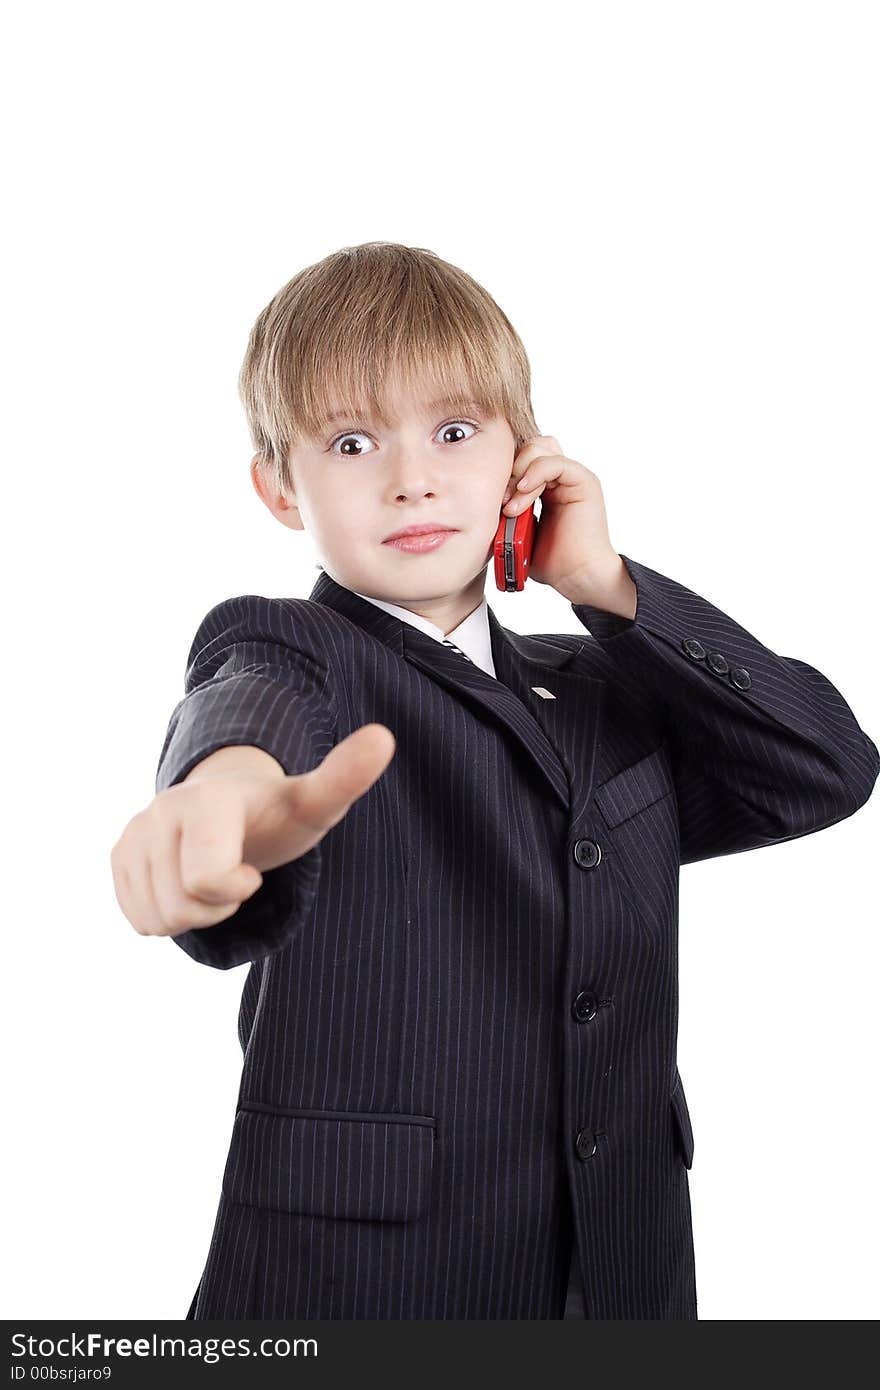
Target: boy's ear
(280, 504)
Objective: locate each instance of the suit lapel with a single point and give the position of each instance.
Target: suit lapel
(559, 735)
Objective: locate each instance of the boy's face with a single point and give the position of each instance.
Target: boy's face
(359, 482)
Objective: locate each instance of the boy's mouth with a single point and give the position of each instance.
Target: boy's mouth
(417, 539)
(423, 529)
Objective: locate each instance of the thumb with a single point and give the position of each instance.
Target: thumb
(349, 769)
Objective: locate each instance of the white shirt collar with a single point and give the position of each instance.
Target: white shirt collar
(472, 633)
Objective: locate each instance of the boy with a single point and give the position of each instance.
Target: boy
(450, 853)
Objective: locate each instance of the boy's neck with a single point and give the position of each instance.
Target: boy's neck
(448, 612)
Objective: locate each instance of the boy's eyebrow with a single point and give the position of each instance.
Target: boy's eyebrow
(440, 401)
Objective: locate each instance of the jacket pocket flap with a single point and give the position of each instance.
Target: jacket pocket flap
(683, 1123)
(332, 1163)
(635, 788)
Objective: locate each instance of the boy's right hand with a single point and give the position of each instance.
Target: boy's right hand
(198, 851)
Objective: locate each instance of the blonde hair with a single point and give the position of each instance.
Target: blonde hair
(331, 338)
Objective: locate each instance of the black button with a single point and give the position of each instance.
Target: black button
(693, 647)
(716, 662)
(740, 677)
(587, 853)
(584, 1006)
(585, 1144)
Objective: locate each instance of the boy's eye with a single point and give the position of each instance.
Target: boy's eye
(454, 428)
(346, 439)
(456, 425)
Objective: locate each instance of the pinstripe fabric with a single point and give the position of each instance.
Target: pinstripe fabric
(472, 635)
(459, 1022)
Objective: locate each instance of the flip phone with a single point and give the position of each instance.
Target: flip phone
(512, 550)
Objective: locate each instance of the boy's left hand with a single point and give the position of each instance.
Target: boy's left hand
(572, 550)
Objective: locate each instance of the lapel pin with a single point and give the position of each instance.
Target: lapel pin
(543, 692)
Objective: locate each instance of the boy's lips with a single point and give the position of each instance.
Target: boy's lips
(420, 539)
(425, 528)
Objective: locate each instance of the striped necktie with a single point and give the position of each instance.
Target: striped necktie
(447, 643)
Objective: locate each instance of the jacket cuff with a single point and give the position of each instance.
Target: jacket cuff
(260, 711)
(716, 680)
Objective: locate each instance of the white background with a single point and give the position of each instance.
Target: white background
(677, 207)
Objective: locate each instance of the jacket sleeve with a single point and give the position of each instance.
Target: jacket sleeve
(763, 747)
(250, 679)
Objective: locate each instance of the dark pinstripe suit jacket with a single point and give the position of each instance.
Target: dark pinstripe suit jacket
(459, 1022)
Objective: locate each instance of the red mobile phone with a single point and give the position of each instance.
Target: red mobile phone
(514, 541)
